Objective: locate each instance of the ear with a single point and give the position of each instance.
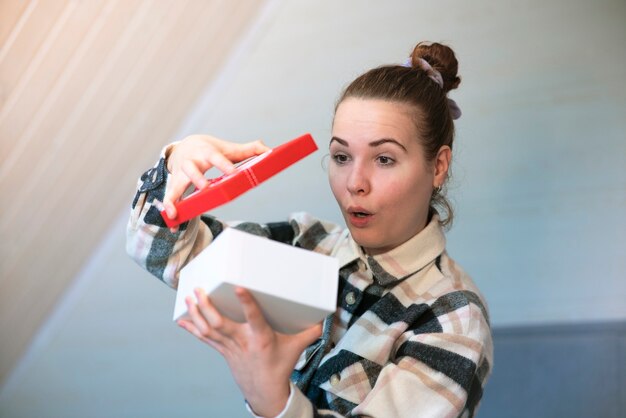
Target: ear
(442, 164)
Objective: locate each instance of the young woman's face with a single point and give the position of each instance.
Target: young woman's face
(378, 173)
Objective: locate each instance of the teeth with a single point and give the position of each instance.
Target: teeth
(360, 214)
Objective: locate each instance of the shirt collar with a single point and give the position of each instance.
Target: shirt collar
(404, 260)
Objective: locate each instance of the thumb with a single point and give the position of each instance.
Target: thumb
(305, 338)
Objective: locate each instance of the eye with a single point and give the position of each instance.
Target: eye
(385, 160)
(340, 158)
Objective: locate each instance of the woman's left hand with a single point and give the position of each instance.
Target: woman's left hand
(260, 359)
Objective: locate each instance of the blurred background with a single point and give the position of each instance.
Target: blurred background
(90, 91)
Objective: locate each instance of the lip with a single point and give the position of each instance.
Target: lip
(359, 221)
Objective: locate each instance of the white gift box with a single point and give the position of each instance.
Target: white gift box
(295, 288)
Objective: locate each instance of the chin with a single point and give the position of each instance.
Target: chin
(371, 244)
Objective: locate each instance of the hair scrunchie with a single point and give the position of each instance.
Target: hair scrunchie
(421, 63)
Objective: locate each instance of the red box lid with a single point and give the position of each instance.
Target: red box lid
(247, 175)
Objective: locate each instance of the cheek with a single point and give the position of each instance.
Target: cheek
(408, 190)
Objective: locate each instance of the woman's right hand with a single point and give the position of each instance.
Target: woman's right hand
(189, 159)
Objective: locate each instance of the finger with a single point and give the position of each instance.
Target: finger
(251, 310)
(160, 207)
(255, 147)
(194, 174)
(240, 152)
(200, 323)
(191, 328)
(220, 161)
(176, 186)
(170, 208)
(210, 313)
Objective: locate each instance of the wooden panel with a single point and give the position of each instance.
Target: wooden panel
(29, 40)
(41, 83)
(22, 179)
(13, 13)
(94, 90)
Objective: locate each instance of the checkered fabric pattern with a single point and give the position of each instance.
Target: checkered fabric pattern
(411, 334)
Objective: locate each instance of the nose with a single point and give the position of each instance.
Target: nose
(358, 180)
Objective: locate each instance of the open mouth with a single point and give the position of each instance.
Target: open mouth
(358, 217)
(357, 212)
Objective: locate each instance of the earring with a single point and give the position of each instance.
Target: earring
(324, 162)
(437, 190)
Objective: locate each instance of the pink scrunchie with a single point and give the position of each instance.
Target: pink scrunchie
(421, 63)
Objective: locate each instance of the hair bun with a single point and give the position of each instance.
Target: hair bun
(442, 59)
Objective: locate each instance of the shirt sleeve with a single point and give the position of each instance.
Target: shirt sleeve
(148, 239)
(290, 405)
(164, 253)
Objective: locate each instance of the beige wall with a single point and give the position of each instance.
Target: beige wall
(90, 90)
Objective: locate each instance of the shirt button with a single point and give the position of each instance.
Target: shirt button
(335, 379)
(350, 298)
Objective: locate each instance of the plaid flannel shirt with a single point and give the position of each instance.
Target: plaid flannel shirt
(411, 334)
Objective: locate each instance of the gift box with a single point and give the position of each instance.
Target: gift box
(295, 288)
(247, 175)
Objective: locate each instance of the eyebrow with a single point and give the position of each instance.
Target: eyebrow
(371, 144)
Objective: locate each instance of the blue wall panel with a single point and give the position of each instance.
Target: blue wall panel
(558, 371)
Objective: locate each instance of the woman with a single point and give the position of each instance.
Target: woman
(411, 336)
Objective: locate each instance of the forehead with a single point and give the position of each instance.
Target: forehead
(372, 119)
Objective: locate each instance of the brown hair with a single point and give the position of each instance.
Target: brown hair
(414, 86)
